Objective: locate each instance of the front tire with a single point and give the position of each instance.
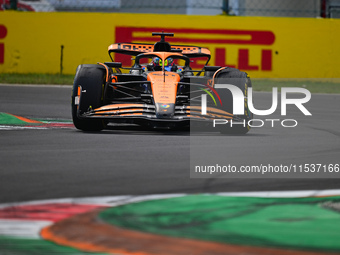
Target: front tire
(242, 81)
(91, 79)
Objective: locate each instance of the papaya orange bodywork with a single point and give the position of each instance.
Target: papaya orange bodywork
(163, 83)
(164, 86)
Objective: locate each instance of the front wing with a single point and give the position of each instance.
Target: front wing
(140, 113)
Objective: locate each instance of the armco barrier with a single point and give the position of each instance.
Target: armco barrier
(264, 47)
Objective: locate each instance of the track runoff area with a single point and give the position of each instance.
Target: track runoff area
(296, 222)
(284, 222)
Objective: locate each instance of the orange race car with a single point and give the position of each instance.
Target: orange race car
(160, 90)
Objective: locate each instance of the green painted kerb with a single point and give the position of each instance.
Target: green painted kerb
(11, 120)
(18, 246)
(8, 119)
(298, 223)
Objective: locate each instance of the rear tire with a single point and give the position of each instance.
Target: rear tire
(91, 79)
(242, 81)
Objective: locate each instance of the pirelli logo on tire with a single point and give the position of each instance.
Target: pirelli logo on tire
(247, 50)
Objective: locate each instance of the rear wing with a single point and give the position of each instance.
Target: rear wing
(135, 49)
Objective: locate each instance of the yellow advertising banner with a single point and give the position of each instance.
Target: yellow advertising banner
(263, 47)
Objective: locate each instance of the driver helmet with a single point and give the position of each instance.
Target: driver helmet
(168, 63)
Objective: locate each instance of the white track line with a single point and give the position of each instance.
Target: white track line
(22, 228)
(20, 127)
(126, 199)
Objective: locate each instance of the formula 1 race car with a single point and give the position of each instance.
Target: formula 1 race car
(159, 90)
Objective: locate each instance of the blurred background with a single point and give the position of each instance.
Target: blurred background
(269, 8)
(265, 38)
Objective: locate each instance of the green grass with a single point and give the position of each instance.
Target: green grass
(16, 78)
(313, 85)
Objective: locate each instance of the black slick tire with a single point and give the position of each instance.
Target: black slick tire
(91, 79)
(242, 81)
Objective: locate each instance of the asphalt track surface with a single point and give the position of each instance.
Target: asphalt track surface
(129, 160)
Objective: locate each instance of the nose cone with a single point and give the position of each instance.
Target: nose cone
(165, 111)
(164, 90)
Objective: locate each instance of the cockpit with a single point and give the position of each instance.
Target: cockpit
(160, 61)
